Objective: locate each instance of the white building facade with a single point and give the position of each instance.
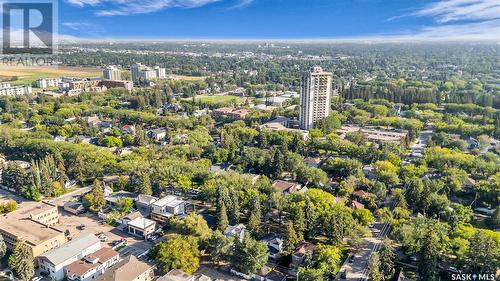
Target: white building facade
(315, 97)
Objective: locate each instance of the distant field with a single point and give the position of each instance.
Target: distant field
(189, 78)
(26, 75)
(219, 99)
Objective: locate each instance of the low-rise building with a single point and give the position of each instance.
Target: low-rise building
(129, 269)
(74, 208)
(166, 207)
(128, 85)
(284, 124)
(144, 202)
(32, 224)
(8, 90)
(376, 135)
(141, 227)
(231, 113)
(92, 265)
(45, 83)
(54, 261)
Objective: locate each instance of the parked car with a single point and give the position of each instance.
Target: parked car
(81, 226)
(102, 237)
(351, 259)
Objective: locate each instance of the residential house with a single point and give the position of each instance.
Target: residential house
(369, 172)
(141, 227)
(144, 202)
(356, 205)
(157, 134)
(54, 261)
(93, 121)
(303, 250)
(238, 231)
(286, 186)
(92, 265)
(128, 129)
(166, 207)
(178, 275)
(129, 269)
(274, 245)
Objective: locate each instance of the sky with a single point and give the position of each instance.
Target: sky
(279, 19)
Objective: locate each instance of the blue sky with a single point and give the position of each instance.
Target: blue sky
(279, 19)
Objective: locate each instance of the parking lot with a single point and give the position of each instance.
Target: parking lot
(95, 225)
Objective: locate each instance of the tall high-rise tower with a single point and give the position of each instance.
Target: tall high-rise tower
(315, 97)
(111, 72)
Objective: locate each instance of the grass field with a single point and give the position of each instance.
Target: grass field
(219, 99)
(189, 78)
(26, 75)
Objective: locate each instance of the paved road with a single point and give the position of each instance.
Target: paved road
(358, 269)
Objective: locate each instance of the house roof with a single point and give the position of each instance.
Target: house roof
(275, 276)
(141, 223)
(356, 205)
(146, 199)
(303, 248)
(80, 267)
(127, 270)
(72, 248)
(285, 186)
(176, 275)
(361, 193)
(169, 200)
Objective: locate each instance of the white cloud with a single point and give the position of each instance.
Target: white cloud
(458, 19)
(129, 7)
(459, 10)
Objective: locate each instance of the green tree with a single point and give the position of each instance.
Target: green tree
(223, 219)
(291, 238)
(363, 216)
(310, 274)
(124, 205)
(95, 198)
(484, 254)
(249, 255)
(429, 254)
(179, 252)
(387, 259)
(327, 258)
(374, 265)
(219, 246)
(194, 225)
(21, 261)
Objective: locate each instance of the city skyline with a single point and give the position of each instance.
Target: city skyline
(320, 19)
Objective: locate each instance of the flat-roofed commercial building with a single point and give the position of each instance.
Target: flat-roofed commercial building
(33, 225)
(376, 135)
(54, 261)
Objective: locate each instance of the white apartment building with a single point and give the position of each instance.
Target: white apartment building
(111, 72)
(160, 72)
(54, 261)
(315, 97)
(6, 89)
(45, 83)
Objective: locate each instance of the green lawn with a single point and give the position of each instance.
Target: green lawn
(26, 75)
(219, 99)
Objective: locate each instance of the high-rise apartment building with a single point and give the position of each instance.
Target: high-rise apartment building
(111, 73)
(315, 97)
